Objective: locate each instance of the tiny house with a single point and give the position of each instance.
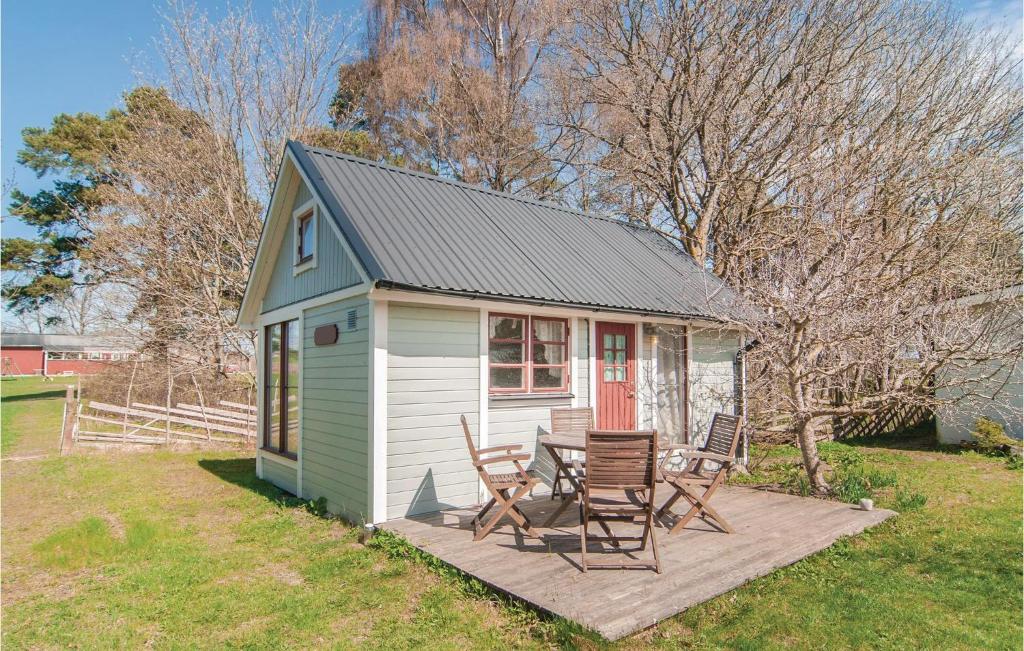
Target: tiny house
(388, 302)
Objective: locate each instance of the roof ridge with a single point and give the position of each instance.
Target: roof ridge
(469, 186)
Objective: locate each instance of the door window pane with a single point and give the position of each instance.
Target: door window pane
(293, 420)
(294, 342)
(609, 341)
(620, 342)
(272, 386)
(282, 345)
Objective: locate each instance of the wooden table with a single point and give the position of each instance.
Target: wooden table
(556, 444)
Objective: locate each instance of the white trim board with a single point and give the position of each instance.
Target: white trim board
(378, 411)
(484, 397)
(527, 307)
(592, 370)
(293, 311)
(260, 398)
(302, 373)
(574, 361)
(279, 459)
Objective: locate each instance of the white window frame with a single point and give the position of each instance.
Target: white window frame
(303, 210)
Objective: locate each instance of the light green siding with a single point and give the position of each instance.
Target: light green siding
(335, 424)
(279, 474)
(334, 268)
(433, 377)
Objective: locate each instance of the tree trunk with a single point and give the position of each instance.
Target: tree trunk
(806, 430)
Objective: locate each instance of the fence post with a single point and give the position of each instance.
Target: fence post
(70, 420)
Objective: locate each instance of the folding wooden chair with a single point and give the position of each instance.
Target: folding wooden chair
(573, 421)
(696, 484)
(619, 485)
(499, 485)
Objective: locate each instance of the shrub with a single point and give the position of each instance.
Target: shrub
(990, 436)
(855, 483)
(851, 487)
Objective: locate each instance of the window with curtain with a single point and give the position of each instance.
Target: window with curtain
(528, 354)
(281, 386)
(670, 389)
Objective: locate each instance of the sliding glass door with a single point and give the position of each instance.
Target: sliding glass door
(281, 344)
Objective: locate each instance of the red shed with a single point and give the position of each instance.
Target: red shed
(26, 353)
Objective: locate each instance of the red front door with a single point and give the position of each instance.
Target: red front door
(616, 375)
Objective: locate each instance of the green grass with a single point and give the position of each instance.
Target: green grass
(175, 550)
(31, 414)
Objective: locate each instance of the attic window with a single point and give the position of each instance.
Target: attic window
(306, 238)
(304, 220)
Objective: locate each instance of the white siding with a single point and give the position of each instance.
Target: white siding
(956, 422)
(433, 378)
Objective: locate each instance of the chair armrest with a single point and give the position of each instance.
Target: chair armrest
(675, 447)
(673, 450)
(500, 448)
(503, 459)
(711, 456)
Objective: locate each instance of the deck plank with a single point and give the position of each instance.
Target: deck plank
(772, 530)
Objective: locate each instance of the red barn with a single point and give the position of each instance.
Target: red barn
(25, 353)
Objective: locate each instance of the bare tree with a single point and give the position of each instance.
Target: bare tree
(454, 86)
(256, 82)
(179, 231)
(849, 167)
(195, 164)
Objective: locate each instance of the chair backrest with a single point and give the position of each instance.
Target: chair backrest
(469, 440)
(724, 436)
(621, 459)
(574, 420)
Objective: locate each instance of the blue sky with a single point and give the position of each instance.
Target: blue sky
(71, 56)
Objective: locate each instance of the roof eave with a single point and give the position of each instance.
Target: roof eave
(525, 300)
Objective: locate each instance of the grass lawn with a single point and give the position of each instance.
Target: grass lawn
(190, 550)
(31, 414)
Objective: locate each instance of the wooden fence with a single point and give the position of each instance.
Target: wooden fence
(229, 423)
(890, 420)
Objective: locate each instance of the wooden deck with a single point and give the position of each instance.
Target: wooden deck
(772, 530)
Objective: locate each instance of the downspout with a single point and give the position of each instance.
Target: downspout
(740, 373)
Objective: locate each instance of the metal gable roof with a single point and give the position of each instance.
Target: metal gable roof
(417, 231)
